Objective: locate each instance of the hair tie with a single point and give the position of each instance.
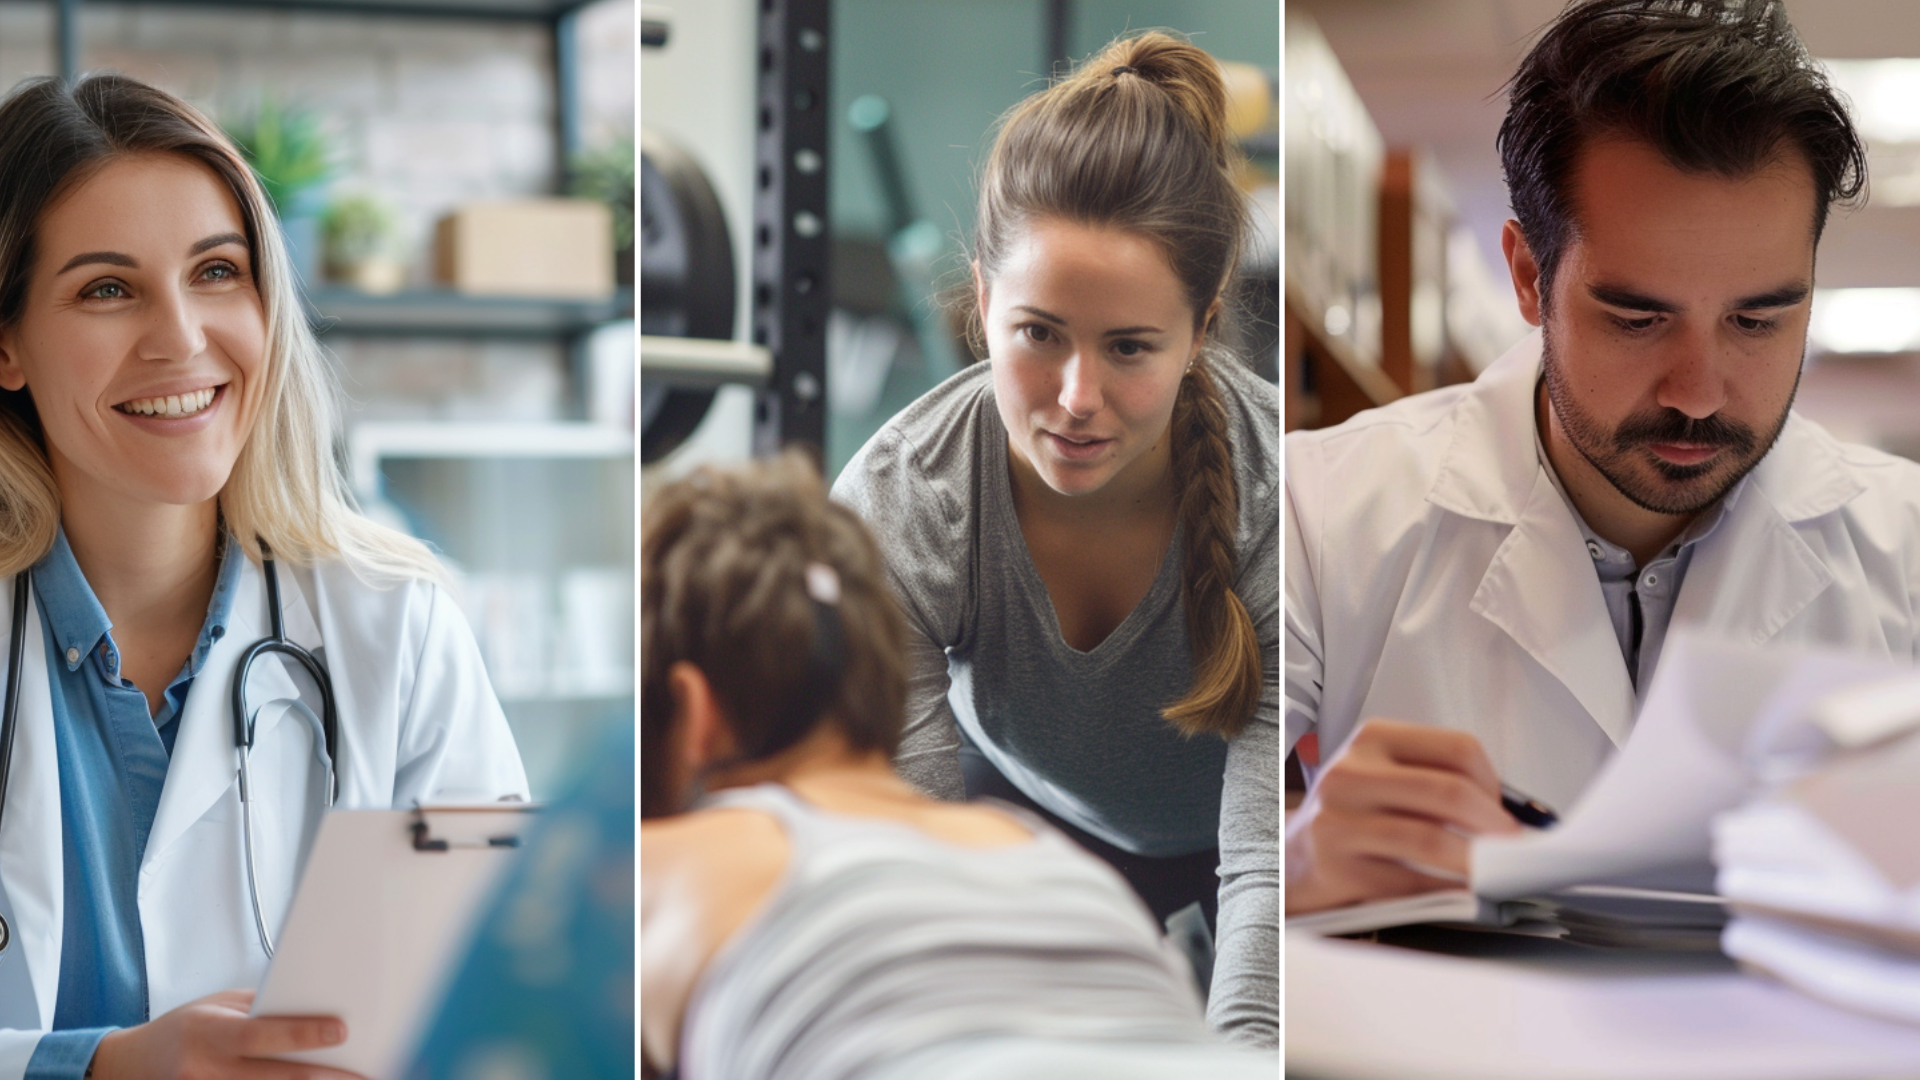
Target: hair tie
(1125, 69)
(823, 584)
(826, 666)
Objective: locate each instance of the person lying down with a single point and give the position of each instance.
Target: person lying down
(804, 913)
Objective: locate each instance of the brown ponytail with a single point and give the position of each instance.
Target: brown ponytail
(1137, 139)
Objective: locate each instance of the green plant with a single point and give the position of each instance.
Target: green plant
(606, 174)
(358, 228)
(287, 148)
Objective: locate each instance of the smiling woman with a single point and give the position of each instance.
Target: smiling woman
(166, 427)
(185, 195)
(143, 348)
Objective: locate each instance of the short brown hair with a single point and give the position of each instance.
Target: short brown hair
(724, 557)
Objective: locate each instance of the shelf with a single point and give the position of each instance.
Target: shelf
(1345, 383)
(445, 313)
(611, 691)
(545, 11)
(370, 442)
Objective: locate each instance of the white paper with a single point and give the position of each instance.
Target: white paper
(376, 926)
(1836, 844)
(1448, 905)
(1716, 712)
(1854, 974)
(1872, 713)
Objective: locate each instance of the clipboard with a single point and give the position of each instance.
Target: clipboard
(387, 902)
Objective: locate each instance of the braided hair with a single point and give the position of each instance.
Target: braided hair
(1136, 139)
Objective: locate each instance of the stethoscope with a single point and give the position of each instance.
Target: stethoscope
(325, 727)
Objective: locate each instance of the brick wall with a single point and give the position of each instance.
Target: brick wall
(425, 113)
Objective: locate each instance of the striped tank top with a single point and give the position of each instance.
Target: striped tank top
(881, 942)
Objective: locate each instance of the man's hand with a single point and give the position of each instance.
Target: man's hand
(1391, 815)
(214, 1039)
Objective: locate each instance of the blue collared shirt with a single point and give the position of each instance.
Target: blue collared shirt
(113, 756)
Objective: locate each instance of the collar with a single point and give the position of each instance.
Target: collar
(73, 613)
(220, 606)
(1614, 561)
(80, 625)
(1485, 476)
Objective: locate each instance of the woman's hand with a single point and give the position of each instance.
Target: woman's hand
(214, 1038)
(1391, 815)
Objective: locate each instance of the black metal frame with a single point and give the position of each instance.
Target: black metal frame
(791, 230)
(1057, 16)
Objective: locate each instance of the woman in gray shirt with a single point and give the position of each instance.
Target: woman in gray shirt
(1083, 531)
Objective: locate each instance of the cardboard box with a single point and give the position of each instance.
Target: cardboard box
(527, 247)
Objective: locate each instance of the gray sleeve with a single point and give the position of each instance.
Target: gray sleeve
(929, 754)
(1244, 1002)
(923, 538)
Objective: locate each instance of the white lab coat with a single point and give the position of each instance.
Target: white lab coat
(1435, 574)
(418, 720)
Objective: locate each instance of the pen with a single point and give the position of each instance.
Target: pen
(1526, 809)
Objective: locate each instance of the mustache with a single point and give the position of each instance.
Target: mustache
(1674, 426)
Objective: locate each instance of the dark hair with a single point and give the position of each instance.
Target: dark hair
(724, 562)
(1137, 140)
(1719, 86)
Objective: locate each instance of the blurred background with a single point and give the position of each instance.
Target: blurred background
(1395, 203)
(807, 192)
(1394, 277)
(455, 178)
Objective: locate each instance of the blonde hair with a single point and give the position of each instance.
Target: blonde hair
(1136, 139)
(287, 488)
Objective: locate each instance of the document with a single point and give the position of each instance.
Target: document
(1717, 718)
(378, 924)
(1823, 872)
(1444, 906)
(1609, 916)
(1720, 722)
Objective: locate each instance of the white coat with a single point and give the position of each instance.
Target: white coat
(418, 720)
(1436, 575)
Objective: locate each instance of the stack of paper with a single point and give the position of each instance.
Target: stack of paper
(1824, 872)
(1721, 721)
(1604, 916)
(1620, 917)
(1718, 719)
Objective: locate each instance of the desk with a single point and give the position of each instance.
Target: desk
(1543, 1010)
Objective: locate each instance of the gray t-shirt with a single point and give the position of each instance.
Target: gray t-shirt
(1080, 732)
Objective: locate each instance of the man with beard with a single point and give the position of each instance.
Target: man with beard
(1480, 579)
